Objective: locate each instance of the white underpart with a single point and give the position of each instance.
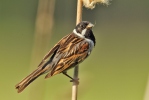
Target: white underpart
(91, 43)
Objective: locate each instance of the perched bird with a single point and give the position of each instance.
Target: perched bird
(67, 53)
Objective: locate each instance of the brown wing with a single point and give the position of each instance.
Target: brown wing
(52, 51)
(72, 52)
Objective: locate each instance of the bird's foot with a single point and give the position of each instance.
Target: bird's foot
(76, 81)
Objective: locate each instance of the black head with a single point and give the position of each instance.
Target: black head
(84, 29)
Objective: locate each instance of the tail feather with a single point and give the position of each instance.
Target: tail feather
(30, 78)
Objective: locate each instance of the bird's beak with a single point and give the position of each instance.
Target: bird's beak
(90, 25)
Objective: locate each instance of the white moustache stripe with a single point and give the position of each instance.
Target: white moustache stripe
(80, 35)
(83, 32)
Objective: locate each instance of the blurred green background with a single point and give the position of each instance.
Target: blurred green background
(117, 68)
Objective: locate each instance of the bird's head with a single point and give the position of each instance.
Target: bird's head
(82, 27)
(84, 30)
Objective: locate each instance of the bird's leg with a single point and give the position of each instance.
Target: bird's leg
(72, 79)
(65, 73)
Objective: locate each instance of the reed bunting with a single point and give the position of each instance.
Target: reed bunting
(67, 53)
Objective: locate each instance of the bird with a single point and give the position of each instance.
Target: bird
(70, 51)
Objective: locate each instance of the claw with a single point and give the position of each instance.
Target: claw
(76, 81)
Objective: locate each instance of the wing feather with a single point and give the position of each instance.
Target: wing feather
(52, 51)
(69, 54)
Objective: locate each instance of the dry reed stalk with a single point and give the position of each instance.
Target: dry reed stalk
(76, 69)
(146, 96)
(88, 4)
(43, 29)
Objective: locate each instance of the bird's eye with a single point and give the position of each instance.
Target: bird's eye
(82, 26)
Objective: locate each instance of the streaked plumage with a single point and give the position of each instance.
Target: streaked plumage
(67, 53)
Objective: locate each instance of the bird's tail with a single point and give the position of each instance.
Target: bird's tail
(30, 78)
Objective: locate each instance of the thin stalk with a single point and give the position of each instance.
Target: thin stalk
(76, 69)
(43, 30)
